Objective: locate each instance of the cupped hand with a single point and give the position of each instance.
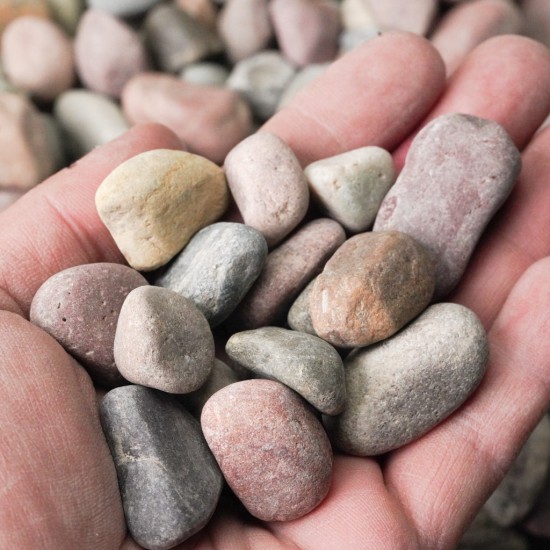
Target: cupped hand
(58, 483)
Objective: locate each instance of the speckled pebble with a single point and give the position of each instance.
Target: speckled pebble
(272, 450)
(308, 365)
(268, 185)
(458, 172)
(372, 286)
(80, 307)
(217, 268)
(155, 202)
(163, 341)
(402, 387)
(169, 481)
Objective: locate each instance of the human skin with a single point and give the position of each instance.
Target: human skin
(59, 487)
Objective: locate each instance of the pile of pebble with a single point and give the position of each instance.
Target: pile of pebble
(265, 330)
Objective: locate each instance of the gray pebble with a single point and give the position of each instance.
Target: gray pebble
(299, 314)
(305, 363)
(402, 387)
(123, 8)
(217, 268)
(205, 73)
(169, 481)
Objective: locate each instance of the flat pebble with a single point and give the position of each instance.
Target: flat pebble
(205, 74)
(308, 365)
(37, 56)
(288, 269)
(169, 481)
(261, 80)
(299, 314)
(401, 388)
(210, 120)
(155, 202)
(245, 27)
(88, 119)
(123, 8)
(177, 39)
(307, 30)
(272, 450)
(80, 307)
(108, 52)
(217, 268)
(458, 172)
(350, 186)
(268, 185)
(163, 341)
(372, 286)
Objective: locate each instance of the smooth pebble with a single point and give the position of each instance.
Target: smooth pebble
(299, 81)
(14, 9)
(205, 74)
(299, 314)
(123, 8)
(203, 11)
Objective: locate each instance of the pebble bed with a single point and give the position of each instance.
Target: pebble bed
(238, 353)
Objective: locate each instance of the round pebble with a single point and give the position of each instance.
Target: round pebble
(123, 8)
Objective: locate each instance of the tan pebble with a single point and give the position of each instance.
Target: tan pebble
(268, 185)
(209, 119)
(37, 56)
(373, 285)
(203, 11)
(156, 201)
(13, 9)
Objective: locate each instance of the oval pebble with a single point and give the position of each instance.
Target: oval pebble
(399, 389)
(272, 450)
(205, 74)
(372, 286)
(14, 9)
(163, 341)
(80, 307)
(458, 172)
(350, 186)
(169, 481)
(203, 11)
(308, 365)
(217, 268)
(155, 202)
(123, 8)
(272, 195)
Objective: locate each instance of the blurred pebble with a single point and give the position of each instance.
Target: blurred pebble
(210, 120)
(399, 389)
(107, 52)
(537, 15)
(66, 13)
(356, 14)
(352, 38)
(299, 81)
(205, 74)
(163, 341)
(306, 364)
(123, 8)
(350, 186)
(299, 314)
(13, 9)
(217, 268)
(272, 450)
(272, 195)
(154, 202)
(307, 30)
(37, 56)
(80, 307)
(414, 16)
(261, 80)
(203, 11)
(245, 27)
(88, 119)
(476, 168)
(7, 198)
(169, 482)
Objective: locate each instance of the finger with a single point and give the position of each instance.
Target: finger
(56, 225)
(443, 478)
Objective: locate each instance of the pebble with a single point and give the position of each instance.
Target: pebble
(37, 57)
(372, 286)
(299, 314)
(169, 481)
(14, 9)
(28, 155)
(177, 39)
(517, 493)
(272, 450)
(401, 388)
(108, 52)
(268, 185)
(7, 198)
(299, 81)
(350, 186)
(210, 120)
(155, 202)
(245, 28)
(66, 13)
(352, 38)
(205, 74)
(204, 11)
(306, 364)
(123, 8)
(217, 268)
(307, 31)
(80, 307)
(163, 341)
(537, 20)
(88, 119)
(356, 14)
(288, 269)
(458, 172)
(261, 80)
